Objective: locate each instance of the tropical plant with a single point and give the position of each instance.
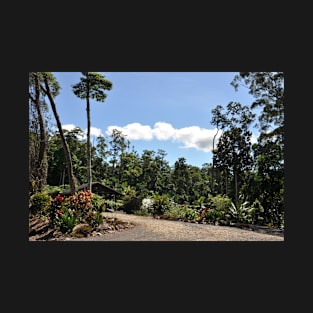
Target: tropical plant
(160, 204)
(65, 220)
(242, 213)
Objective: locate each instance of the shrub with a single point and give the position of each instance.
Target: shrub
(94, 218)
(53, 190)
(241, 214)
(98, 203)
(82, 207)
(65, 220)
(146, 207)
(131, 204)
(39, 203)
(219, 202)
(187, 213)
(160, 204)
(174, 210)
(257, 212)
(213, 215)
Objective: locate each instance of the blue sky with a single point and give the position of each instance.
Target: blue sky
(155, 110)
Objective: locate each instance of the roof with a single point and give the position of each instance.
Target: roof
(96, 188)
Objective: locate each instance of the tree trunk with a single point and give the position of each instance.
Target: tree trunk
(42, 158)
(212, 171)
(65, 145)
(236, 188)
(226, 183)
(89, 176)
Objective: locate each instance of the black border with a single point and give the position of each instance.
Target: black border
(163, 261)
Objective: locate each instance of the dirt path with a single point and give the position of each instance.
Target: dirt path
(151, 229)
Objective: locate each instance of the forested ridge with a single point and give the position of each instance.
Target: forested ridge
(244, 182)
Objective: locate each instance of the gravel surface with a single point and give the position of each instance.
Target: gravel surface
(152, 229)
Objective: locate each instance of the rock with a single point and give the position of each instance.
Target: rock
(81, 230)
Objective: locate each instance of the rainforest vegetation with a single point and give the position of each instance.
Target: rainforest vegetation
(244, 182)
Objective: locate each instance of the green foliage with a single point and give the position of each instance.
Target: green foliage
(199, 202)
(55, 190)
(187, 213)
(39, 203)
(65, 220)
(174, 210)
(94, 218)
(219, 202)
(142, 212)
(98, 203)
(257, 212)
(112, 204)
(92, 85)
(131, 201)
(243, 213)
(160, 203)
(82, 207)
(213, 216)
(131, 204)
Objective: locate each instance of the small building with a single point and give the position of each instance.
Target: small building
(97, 188)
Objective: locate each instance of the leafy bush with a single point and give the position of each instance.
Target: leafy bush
(219, 202)
(187, 213)
(160, 204)
(213, 215)
(54, 190)
(94, 218)
(131, 203)
(65, 220)
(257, 212)
(98, 203)
(241, 214)
(174, 210)
(80, 208)
(112, 204)
(39, 203)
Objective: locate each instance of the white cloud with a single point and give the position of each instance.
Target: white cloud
(163, 131)
(197, 138)
(191, 137)
(94, 131)
(134, 131)
(68, 127)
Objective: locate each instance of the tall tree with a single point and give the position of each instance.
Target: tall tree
(234, 147)
(91, 86)
(234, 154)
(181, 178)
(118, 144)
(51, 87)
(268, 90)
(38, 160)
(217, 119)
(57, 161)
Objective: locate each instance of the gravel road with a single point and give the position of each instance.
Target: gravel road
(152, 229)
